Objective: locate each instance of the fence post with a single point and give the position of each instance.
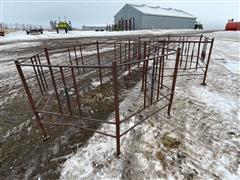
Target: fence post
(174, 81)
(31, 101)
(116, 105)
(206, 69)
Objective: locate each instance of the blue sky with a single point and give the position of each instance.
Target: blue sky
(213, 14)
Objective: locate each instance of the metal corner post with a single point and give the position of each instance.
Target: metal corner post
(31, 101)
(206, 70)
(116, 105)
(174, 81)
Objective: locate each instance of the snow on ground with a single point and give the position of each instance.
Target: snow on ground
(201, 139)
(20, 45)
(22, 36)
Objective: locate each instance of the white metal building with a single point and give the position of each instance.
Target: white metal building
(154, 17)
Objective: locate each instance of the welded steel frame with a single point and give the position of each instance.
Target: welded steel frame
(195, 52)
(125, 57)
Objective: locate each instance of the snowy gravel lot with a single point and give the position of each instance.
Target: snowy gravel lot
(205, 123)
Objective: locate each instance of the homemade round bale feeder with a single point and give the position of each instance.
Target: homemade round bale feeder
(195, 52)
(81, 85)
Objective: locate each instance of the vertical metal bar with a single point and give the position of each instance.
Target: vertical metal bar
(157, 63)
(198, 52)
(125, 54)
(144, 64)
(76, 91)
(159, 74)
(53, 80)
(173, 82)
(206, 69)
(116, 105)
(31, 101)
(192, 55)
(187, 55)
(120, 49)
(40, 75)
(66, 90)
(80, 48)
(145, 85)
(182, 52)
(129, 57)
(69, 55)
(99, 69)
(76, 58)
(162, 71)
(39, 84)
(44, 78)
(152, 84)
(168, 46)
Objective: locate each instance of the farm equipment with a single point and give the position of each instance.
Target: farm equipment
(198, 25)
(61, 25)
(232, 26)
(34, 31)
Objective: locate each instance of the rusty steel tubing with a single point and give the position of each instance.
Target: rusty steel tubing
(162, 70)
(192, 55)
(80, 49)
(188, 47)
(129, 57)
(145, 85)
(174, 81)
(76, 91)
(139, 111)
(198, 52)
(40, 74)
(76, 58)
(53, 80)
(206, 70)
(66, 90)
(69, 55)
(152, 83)
(39, 84)
(65, 66)
(31, 101)
(116, 105)
(74, 117)
(144, 119)
(44, 78)
(81, 127)
(99, 63)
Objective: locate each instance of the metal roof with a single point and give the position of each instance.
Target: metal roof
(159, 11)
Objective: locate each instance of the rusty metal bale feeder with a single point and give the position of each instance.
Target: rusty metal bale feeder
(62, 83)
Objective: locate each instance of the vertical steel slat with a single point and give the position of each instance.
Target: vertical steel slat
(44, 78)
(116, 105)
(53, 80)
(174, 81)
(76, 91)
(66, 90)
(39, 84)
(31, 101)
(99, 63)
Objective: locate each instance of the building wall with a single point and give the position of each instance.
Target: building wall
(143, 21)
(164, 22)
(127, 12)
